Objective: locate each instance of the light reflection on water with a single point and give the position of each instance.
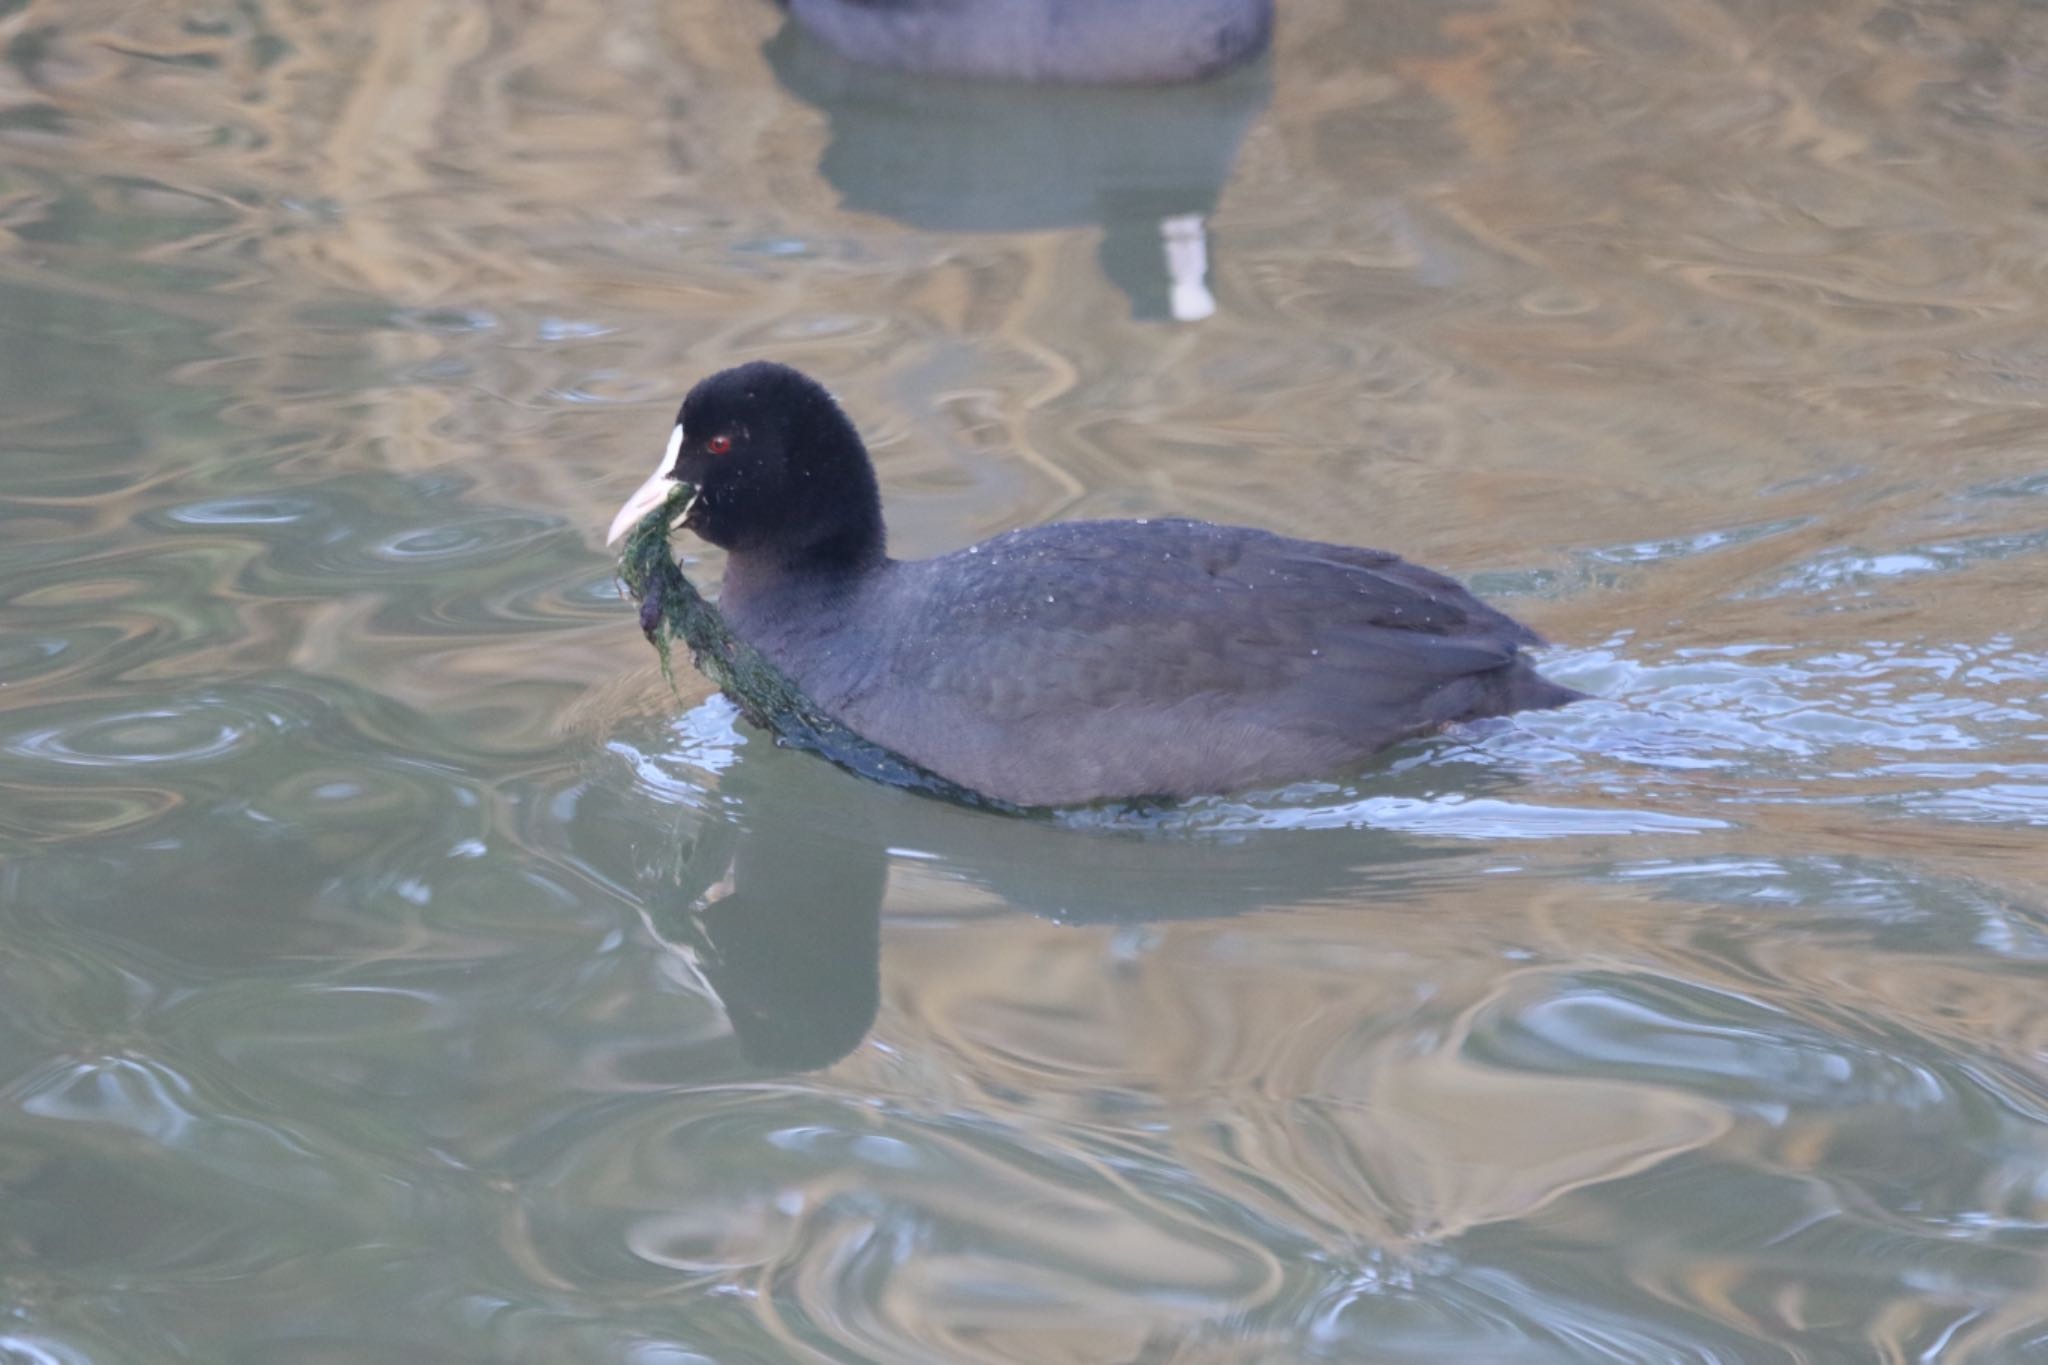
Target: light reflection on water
(393, 968)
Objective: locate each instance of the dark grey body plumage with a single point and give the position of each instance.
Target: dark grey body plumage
(1081, 660)
(1086, 660)
(1047, 41)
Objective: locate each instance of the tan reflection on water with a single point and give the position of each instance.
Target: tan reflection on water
(1712, 332)
(1549, 291)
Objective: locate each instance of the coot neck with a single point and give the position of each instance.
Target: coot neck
(851, 544)
(838, 561)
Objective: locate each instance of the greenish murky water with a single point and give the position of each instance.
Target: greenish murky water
(393, 969)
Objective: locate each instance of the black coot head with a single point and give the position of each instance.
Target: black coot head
(777, 468)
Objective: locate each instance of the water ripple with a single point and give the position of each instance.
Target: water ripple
(393, 968)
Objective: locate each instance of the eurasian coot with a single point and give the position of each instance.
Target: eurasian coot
(1078, 661)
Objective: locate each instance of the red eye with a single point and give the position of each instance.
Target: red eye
(718, 445)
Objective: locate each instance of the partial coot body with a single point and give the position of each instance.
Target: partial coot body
(1083, 660)
(1044, 41)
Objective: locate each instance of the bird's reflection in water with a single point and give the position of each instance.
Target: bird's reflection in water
(785, 926)
(1145, 164)
(779, 896)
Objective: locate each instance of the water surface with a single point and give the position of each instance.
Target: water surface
(393, 968)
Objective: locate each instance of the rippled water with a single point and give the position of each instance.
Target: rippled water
(391, 968)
